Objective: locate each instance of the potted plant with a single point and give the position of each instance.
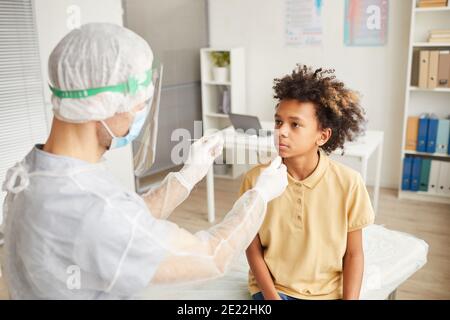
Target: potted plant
(221, 61)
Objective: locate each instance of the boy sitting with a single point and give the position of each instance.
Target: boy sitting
(310, 244)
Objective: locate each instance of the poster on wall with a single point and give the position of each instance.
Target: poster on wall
(303, 23)
(366, 22)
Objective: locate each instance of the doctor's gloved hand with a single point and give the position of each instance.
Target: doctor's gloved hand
(273, 180)
(201, 156)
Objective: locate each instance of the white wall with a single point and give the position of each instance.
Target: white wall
(378, 73)
(54, 20)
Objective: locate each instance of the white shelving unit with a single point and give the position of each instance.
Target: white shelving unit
(212, 91)
(419, 100)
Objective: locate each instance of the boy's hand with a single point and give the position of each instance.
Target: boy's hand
(273, 180)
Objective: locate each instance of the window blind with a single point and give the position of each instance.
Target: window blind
(23, 120)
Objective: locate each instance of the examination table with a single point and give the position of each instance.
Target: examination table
(391, 257)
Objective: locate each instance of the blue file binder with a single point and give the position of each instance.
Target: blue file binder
(422, 135)
(432, 135)
(415, 173)
(406, 176)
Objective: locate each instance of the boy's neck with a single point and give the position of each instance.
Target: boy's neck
(301, 167)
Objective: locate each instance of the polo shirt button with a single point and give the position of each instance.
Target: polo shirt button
(306, 291)
(299, 200)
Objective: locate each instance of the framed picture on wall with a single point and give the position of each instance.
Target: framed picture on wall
(366, 22)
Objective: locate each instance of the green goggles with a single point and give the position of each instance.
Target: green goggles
(130, 87)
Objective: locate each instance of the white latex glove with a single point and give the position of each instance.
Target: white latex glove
(201, 156)
(272, 181)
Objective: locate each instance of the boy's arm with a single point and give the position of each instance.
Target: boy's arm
(353, 265)
(260, 271)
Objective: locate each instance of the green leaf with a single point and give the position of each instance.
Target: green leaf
(220, 59)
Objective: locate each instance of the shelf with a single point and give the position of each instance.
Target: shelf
(213, 98)
(421, 100)
(434, 155)
(431, 44)
(424, 196)
(445, 90)
(435, 9)
(216, 83)
(217, 115)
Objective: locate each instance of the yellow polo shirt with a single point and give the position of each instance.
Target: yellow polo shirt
(304, 233)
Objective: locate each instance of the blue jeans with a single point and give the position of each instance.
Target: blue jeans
(259, 296)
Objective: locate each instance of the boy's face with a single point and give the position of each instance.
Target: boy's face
(297, 130)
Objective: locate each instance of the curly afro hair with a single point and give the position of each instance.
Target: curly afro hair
(337, 107)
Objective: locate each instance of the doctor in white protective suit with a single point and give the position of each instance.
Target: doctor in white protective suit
(71, 231)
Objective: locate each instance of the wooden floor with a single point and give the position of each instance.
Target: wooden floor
(427, 221)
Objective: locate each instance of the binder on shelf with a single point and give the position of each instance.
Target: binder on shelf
(415, 67)
(447, 180)
(423, 69)
(225, 106)
(406, 175)
(443, 184)
(434, 176)
(433, 69)
(442, 137)
(444, 70)
(422, 134)
(425, 175)
(415, 173)
(412, 130)
(448, 144)
(432, 134)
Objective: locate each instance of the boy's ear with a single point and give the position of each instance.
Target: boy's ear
(324, 136)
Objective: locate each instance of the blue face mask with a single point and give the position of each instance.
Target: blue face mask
(133, 132)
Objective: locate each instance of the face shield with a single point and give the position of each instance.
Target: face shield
(144, 146)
